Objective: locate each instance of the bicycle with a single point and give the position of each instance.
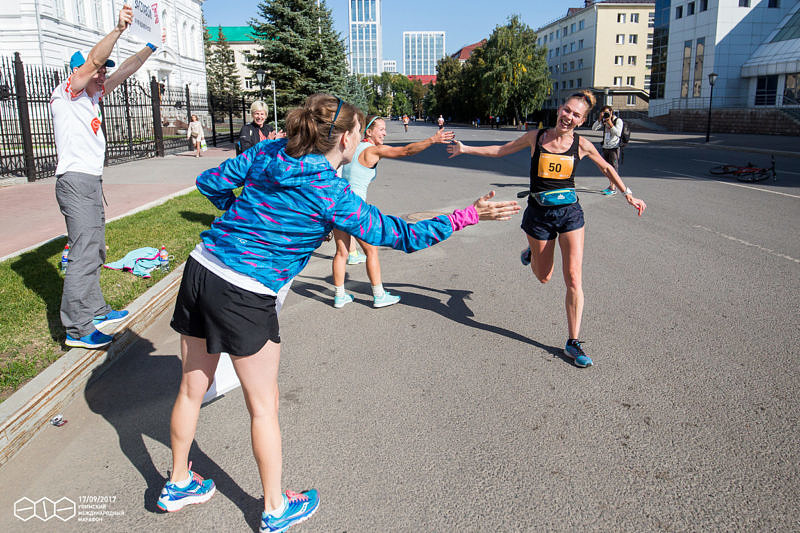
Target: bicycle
(748, 174)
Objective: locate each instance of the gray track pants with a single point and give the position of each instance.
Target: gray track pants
(80, 197)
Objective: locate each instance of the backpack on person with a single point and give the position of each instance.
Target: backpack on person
(625, 137)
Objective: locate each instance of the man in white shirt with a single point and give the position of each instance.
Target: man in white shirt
(612, 130)
(77, 123)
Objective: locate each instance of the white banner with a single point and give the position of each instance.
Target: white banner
(146, 25)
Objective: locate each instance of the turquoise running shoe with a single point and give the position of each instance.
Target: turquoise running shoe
(96, 339)
(298, 507)
(111, 318)
(174, 499)
(608, 191)
(525, 256)
(385, 300)
(354, 259)
(339, 302)
(574, 351)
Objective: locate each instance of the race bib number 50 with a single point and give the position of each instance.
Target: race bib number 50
(555, 167)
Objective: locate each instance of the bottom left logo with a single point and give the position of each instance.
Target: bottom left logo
(44, 509)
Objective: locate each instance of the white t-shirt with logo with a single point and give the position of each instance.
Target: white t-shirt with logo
(77, 121)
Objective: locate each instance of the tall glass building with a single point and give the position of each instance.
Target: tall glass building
(421, 51)
(365, 37)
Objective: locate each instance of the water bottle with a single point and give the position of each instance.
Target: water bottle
(65, 259)
(163, 259)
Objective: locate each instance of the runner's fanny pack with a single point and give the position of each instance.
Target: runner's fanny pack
(556, 197)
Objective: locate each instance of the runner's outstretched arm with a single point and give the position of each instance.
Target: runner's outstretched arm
(495, 150)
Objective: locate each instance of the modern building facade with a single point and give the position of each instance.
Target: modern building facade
(366, 50)
(389, 65)
(242, 42)
(752, 45)
(47, 32)
(605, 47)
(421, 51)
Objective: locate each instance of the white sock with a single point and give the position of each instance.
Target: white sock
(377, 290)
(339, 291)
(185, 483)
(280, 510)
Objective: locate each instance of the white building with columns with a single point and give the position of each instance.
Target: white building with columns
(48, 32)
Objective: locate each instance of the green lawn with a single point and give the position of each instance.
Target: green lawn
(31, 335)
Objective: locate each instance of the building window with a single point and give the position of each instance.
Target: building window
(619, 60)
(744, 3)
(766, 90)
(791, 92)
(690, 9)
(571, 84)
(621, 18)
(564, 50)
(59, 8)
(572, 28)
(648, 62)
(572, 47)
(580, 63)
(633, 38)
(98, 14)
(617, 81)
(80, 12)
(564, 67)
(687, 65)
(632, 60)
(580, 25)
(558, 34)
(650, 40)
(580, 44)
(703, 5)
(620, 38)
(774, 3)
(631, 81)
(572, 65)
(564, 84)
(651, 20)
(635, 18)
(647, 83)
(698, 67)
(558, 50)
(679, 12)
(564, 31)
(631, 100)
(558, 68)
(579, 83)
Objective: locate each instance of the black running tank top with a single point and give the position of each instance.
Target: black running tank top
(551, 171)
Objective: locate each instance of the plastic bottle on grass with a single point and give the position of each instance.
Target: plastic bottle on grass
(163, 259)
(65, 259)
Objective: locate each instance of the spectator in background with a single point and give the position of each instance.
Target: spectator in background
(81, 146)
(612, 130)
(258, 130)
(195, 133)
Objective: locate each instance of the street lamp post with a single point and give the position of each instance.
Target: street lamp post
(712, 79)
(260, 76)
(274, 106)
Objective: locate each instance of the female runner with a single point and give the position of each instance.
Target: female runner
(360, 173)
(553, 209)
(290, 200)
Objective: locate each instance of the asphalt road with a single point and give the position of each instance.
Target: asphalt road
(454, 410)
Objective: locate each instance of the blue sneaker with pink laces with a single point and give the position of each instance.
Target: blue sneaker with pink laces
(174, 498)
(297, 507)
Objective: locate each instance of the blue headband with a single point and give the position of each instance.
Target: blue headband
(370, 123)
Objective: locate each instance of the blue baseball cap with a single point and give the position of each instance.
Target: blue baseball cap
(79, 58)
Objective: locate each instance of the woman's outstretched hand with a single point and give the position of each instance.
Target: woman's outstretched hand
(455, 148)
(638, 204)
(488, 210)
(442, 136)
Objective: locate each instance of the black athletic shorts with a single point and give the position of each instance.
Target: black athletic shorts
(544, 223)
(229, 318)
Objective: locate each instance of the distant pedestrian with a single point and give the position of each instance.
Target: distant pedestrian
(81, 146)
(491, 122)
(497, 121)
(440, 122)
(612, 131)
(195, 133)
(405, 122)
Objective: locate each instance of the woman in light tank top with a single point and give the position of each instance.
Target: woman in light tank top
(360, 173)
(553, 208)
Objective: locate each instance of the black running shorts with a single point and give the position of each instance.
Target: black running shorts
(229, 318)
(544, 223)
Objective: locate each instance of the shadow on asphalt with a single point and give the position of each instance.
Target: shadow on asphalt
(454, 308)
(136, 396)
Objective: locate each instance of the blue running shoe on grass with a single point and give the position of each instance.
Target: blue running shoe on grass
(174, 498)
(525, 256)
(339, 302)
(354, 259)
(574, 351)
(385, 300)
(96, 339)
(111, 318)
(297, 507)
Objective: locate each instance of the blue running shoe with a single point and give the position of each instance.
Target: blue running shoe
(95, 339)
(385, 300)
(354, 259)
(174, 499)
(111, 318)
(574, 351)
(339, 302)
(525, 256)
(298, 507)
(608, 191)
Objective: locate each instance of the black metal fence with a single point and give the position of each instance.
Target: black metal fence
(139, 120)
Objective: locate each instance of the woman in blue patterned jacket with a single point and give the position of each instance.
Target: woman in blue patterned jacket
(291, 199)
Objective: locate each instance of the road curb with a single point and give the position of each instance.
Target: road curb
(30, 409)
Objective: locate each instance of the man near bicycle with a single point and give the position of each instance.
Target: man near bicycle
(612, 131)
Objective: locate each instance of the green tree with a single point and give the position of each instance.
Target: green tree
(355, 91)
(298, 47)
(222, 80)
(418, 92)
(515, 77)
(448, 80)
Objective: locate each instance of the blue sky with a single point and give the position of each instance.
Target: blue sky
(464, 21)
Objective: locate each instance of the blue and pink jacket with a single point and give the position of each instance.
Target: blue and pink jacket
(286, 208)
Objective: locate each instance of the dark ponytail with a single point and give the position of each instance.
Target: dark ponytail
(315, 127)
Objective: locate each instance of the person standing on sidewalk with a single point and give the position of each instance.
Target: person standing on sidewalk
(195, 133)
(81, 146)
(612, 131)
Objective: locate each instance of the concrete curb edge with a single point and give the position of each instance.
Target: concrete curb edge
(30, 408)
